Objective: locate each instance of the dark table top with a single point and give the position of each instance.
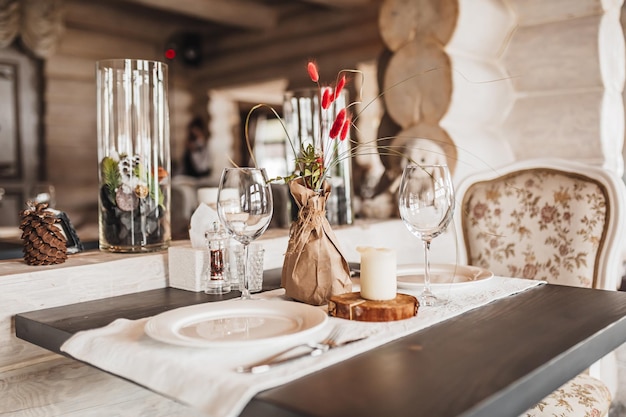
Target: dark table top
(497, 360)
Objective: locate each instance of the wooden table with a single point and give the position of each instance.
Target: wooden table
(497, 360)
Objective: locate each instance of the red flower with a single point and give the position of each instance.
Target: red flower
(310, 160)
(338, 124)
(313, 73)
(345, 128)
(340, 85)
(327, 98)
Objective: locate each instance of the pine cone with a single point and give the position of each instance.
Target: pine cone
(44, 241)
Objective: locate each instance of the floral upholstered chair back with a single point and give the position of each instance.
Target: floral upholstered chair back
(545, 223)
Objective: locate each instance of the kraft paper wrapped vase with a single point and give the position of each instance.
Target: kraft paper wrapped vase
(314, 268)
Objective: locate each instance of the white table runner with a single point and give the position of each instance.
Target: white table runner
(206, 379)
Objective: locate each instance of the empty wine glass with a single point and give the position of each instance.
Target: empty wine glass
(426, 200)
(244, 206)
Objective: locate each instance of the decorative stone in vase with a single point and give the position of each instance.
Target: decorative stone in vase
(133, 155)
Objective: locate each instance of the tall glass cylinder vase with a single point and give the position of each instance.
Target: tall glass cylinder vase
(307, 123)
(133, 155)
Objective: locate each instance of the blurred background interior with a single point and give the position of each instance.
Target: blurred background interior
(499, 80)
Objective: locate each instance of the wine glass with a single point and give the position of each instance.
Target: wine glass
(426, 200)
(244, 206)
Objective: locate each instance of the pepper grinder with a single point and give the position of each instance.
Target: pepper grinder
(216, 281)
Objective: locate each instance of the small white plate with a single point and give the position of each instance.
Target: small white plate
(441, 275)
(235, 323)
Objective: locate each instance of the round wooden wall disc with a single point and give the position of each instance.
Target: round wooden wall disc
(418, 83)
(352, 306)
(415, 138)
(401, 21)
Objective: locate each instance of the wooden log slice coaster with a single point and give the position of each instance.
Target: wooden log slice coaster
(352, 306)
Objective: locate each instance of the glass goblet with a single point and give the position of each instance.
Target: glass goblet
(244, 206)
(426, 200)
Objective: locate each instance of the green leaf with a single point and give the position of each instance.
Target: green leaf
(110, 176)
(110, 173)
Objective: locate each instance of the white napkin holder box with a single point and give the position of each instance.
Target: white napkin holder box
(186, 266)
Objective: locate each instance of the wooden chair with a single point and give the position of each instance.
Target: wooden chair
(552, 220)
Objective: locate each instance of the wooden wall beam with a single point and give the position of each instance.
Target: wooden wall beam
(236, 61)
(241, 13)
(103, 17)
(343, 3)
(298, 27)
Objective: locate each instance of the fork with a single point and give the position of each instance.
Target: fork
(330, 342)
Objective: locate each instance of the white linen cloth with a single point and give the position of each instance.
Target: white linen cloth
(205, 378)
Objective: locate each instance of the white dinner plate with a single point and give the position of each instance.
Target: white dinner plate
(412, 276)
(235, 323)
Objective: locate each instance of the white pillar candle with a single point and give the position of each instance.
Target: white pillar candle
(378, 273)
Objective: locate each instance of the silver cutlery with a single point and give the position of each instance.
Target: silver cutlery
(333, 340)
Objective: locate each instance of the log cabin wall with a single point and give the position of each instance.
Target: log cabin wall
(506, 80)
(483, 92)
(486, 82)
(519, 79)
(566, 63)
